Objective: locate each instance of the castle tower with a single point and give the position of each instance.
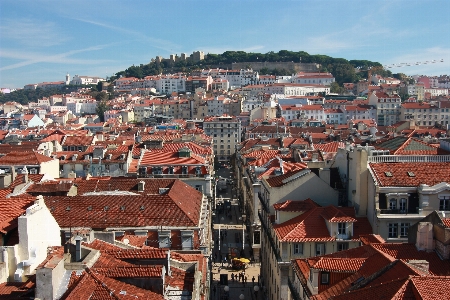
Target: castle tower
(67, 79)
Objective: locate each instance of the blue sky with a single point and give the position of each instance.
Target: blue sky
(43, 40)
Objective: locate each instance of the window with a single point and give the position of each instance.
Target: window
(402, 206)
(342, 246)
(393, 203)
(320, 249)
(341, 228)
(404, 229)
(393, 230)
(186, 239)
(325, 278)
(164, 239)
(444, 203)
(298, 248)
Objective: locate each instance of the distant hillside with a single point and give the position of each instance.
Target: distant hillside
(342, 69)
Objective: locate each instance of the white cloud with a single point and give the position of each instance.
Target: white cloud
(29, 58)
(30, 32)
(157, 43)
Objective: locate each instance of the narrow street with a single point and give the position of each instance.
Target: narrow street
(231, 241)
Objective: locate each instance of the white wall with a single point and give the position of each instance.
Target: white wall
(38, 230)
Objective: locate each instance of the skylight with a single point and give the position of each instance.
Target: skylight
(411, 174)
(388, 174)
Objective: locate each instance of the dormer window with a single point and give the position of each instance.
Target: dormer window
(444, 203)
(198, 171)
(342, 228)
(403, 205)
(184, 170)
(170, 170)
(325, 278)
(392, 204)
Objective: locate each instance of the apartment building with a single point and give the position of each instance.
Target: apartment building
(387, 106)
(226, 134)
(426, 114)
(313, 78)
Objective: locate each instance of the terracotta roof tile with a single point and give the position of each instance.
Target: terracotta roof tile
(23, 158)
(410, 174)
(78, 140)
(134, 240)
(367, 239)
(446, 222)
(338, 264)
(290, 205)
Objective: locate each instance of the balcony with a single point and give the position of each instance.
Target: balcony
(268, 234)
(399, 211)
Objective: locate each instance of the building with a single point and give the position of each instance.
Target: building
(85, 80)
(305, 229)
(374, 270)
(388, 107)
(226, 134)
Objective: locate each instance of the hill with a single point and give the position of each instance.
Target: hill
(342, 69)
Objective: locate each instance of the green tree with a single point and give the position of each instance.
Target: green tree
(336, 88)
(102, 106)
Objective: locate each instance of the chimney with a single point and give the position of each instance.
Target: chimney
(13, 173)
(25, 174)
(78, 240)
(424, 240)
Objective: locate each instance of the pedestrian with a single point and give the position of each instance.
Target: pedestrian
(232, 277)
(244, 280)
(253, 280)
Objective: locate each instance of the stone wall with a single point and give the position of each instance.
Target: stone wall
(297, 67)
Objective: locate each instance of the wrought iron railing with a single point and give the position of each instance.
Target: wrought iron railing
(269, 237)
(294, 293)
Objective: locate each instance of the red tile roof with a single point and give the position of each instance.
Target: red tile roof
(341, 214)
(310, 225)
(446, 222)
(13, 290)
(371, 238)
(95, 286)
(290, 205)
(78, 140)
(379, 269)
(134, 240)
(280, 180)
(23, 158)
(338, 264)
(11, 208)
(410, 174)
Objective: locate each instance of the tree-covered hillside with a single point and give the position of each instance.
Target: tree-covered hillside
(343, 70)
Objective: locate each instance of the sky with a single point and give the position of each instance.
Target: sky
(42, 41)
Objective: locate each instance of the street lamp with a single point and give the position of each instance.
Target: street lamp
(256, 289)
(226, 289)
(242, 297)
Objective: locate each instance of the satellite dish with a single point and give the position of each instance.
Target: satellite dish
(126, 241)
